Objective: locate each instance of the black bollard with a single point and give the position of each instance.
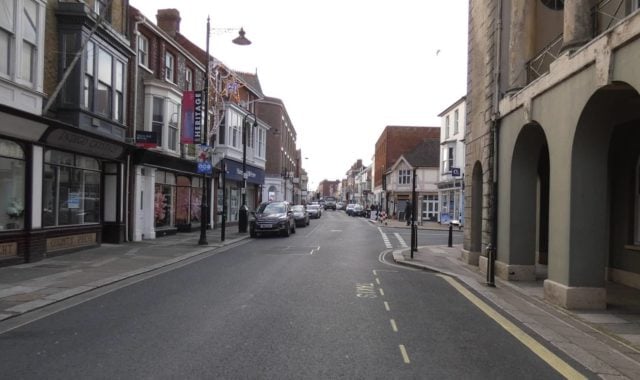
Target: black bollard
(491, 259)
(450, 235)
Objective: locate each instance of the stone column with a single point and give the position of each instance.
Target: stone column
(577, 24)
(521, 41)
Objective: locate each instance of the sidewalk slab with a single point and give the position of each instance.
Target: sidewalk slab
(30, 286)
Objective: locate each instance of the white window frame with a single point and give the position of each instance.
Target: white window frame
(188, 79)
(31, 77)
(170, 67)
(404, 176)
(446, 127)
(143, 50)
(456, 122)
(171, 100)
(451, 159)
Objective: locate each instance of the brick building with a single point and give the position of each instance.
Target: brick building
(392, 143)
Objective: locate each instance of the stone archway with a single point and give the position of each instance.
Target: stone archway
(476, 210)
(528, 214)
(600, 199)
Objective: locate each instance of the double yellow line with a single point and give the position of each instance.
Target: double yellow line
(549, 357)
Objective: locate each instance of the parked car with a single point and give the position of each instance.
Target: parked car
(349, 208)
(358, 210)
(300, 215)
(314, 211)
(340, 206)
(272, 217)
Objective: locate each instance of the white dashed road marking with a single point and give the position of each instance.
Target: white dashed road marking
(403, 244)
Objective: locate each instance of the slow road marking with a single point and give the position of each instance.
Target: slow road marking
(549, 357)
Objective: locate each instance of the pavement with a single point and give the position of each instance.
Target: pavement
(606, 342)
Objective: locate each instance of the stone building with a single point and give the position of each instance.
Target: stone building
(552, 101)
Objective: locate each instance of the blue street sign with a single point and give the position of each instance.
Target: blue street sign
(455, 172)
(204, 167)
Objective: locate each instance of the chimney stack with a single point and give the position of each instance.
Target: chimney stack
(169, 21)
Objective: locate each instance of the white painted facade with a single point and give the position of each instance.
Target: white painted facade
(452, 159)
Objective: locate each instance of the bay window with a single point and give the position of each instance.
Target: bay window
(165, 121)
(103, 82)
(157, 120)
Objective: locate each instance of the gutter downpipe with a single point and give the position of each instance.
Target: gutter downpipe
(492, 249)
(130, 177)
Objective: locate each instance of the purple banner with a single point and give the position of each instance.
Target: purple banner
(186, 137)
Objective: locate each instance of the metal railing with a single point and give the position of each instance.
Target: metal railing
(539, 65)
(608, 13)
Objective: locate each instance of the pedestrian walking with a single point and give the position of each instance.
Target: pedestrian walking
(408, 209)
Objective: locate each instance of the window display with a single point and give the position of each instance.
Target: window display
(71, 189)
(164, 208)
(12, 185)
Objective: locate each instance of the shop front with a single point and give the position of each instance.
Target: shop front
(232, 196)
(168, 195)
(61, 188)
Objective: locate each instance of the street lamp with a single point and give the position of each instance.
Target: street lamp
(240, 40)
(243, 217)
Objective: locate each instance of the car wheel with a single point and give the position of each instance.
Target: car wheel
(252, 233)
(287, 231)
(293, 229)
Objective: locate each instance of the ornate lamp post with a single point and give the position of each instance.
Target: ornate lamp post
(243, 217)
(204, 207)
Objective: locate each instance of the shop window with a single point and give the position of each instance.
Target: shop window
(165, 194)
(12, 182)
(183, 200)
(430, 208)
(71, 189)
(196, 199)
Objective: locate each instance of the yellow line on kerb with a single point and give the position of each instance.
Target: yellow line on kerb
(549, 357)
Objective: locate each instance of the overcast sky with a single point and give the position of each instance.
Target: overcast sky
(345, 69)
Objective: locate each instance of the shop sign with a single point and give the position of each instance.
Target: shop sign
(197, 115)
(80, 143)
(204, 161)
(455, 172)
(8, 249)
(72, 241)
(146, 139)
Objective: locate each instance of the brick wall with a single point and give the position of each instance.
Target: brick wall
(396, 141)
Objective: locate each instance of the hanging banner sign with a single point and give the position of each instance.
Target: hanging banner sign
(204, 161)
(197, 115)
(188, 118)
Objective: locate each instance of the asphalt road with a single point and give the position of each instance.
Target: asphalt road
(320, 304)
